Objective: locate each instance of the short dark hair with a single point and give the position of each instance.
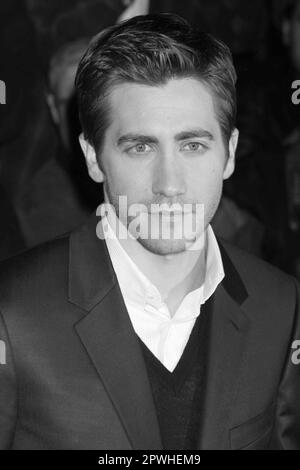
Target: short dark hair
(151, 50)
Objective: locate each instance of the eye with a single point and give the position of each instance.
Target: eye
(193, 147)
(140, 149)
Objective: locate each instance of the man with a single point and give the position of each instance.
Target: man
(139, 330)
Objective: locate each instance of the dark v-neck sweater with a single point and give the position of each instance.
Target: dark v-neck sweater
(178, 395)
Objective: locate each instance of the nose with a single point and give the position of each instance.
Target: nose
(169, 180)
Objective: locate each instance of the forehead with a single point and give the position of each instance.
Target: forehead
(178, 103)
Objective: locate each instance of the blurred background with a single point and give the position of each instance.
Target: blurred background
(44, 186)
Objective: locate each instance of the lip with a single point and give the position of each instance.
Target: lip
(167, 213)
(172, 212)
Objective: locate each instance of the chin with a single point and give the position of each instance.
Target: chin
(164, 247)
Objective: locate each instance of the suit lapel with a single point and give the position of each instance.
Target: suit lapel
(109, 339)
(228, 327)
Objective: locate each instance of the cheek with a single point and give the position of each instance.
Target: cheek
(127, 181)
(205, 179)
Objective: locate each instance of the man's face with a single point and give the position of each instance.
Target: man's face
(164, 146)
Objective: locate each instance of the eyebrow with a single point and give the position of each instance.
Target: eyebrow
(143, 139)
(148, 139)
(190, 134)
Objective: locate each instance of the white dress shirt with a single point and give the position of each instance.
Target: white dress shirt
(166, 336)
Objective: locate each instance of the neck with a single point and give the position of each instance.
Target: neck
(165, 271)
(174, 275)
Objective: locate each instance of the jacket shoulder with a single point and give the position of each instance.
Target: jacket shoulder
(32, 269)
(257, 274)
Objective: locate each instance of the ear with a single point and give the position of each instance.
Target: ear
(286, 32)
(52, 107)
(91, 160)
(230, 163)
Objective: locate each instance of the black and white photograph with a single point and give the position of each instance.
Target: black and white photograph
(150, 227)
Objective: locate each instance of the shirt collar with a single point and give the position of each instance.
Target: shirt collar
(138, 289)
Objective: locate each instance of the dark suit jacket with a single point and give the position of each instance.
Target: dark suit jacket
(75, 377)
